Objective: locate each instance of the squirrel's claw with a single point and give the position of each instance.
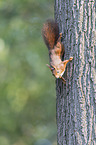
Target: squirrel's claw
(63, 79)
(60, 34)
(71, 58)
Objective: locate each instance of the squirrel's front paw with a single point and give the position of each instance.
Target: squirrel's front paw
(60, 34)
(71, 58)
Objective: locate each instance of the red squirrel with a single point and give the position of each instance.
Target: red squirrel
(52, 38)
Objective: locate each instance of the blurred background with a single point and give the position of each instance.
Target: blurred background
(27, 87)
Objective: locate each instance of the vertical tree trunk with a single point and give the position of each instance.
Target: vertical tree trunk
(76, 105)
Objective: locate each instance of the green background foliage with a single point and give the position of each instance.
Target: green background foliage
(27, 88)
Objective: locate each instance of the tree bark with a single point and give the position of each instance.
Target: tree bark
(76, 104)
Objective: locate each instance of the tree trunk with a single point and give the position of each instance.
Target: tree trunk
(75, 104)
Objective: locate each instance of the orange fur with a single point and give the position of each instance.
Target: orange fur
(52, 38)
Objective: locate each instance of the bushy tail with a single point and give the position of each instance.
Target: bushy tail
(50, 33)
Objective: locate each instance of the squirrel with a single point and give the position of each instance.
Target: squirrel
(52, 38)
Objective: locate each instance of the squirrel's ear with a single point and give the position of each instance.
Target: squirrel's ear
(50, 67)
(54, 67)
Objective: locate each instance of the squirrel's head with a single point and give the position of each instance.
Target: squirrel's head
(60, 69)
(58, 72)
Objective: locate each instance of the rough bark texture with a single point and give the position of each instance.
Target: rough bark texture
(76, 105)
